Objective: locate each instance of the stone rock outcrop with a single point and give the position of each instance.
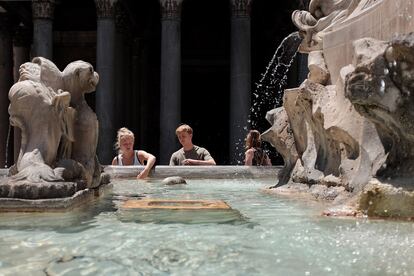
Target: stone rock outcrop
(351, 121)
(381, 88)
(280, 136)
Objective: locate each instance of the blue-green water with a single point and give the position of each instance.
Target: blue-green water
(263, 235)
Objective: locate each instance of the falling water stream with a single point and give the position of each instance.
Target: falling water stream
(7, 147)
(269, 90)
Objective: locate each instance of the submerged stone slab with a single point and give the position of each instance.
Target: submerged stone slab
(173, 204)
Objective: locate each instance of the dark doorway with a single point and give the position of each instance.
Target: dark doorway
(205, 74)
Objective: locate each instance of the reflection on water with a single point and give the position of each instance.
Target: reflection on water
(261, 235)
(76, 220)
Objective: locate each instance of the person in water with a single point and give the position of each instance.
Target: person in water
(255, 155)
(127, 156)
(189, 154)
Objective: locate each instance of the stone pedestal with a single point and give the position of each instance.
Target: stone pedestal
(240, 78)
(170, 95)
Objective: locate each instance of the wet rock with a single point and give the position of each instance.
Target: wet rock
(389, 199)
(174, 180)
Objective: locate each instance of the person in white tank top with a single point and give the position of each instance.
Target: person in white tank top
(127, 156)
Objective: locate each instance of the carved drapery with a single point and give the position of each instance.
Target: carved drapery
(171, 9)
(240, 8)
(105, 8)
(43, 9)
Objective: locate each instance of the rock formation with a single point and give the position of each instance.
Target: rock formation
(351, 120)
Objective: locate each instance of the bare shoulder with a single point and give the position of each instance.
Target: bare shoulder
(250, 151)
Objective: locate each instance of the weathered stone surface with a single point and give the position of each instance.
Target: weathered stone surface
(361, 125)
(26, 190)
(380, 89)
(318, 71)
(393, 199)
(280, 136)
(174, 180)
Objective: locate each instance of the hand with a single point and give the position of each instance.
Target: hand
(187, 162)
(143, 174)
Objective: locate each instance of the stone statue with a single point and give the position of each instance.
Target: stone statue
(322, 17)
(59, 131)
(349, 126)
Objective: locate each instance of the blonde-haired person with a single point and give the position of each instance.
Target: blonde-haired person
(127, 156)
(189, 154)
(255, 156)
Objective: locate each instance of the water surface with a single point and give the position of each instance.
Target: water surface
(263, 235)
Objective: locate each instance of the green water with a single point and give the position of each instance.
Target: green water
(262, 235)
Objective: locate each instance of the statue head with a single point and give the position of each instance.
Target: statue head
(80, 78)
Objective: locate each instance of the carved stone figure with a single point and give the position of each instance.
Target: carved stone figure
(352, 119)
(381, 88)
(59, 131)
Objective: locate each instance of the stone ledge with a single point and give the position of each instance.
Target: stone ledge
(211, 172)
(53, 204)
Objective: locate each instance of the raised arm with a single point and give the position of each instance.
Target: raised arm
(145, 156)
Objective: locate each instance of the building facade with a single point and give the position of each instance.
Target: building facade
(161, 63)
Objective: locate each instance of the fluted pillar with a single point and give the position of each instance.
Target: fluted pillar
(240, 77)
(105, 66)
(170, 86)
(122, 95)
(21, 54)
(6, 81)
(43, 28)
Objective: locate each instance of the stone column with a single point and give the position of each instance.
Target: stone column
(122, 97)
(240, 77)
(6, 81)
(43, 28)
(21, 54)
(105, 66)
(170, 86)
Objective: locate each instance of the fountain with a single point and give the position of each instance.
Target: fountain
(347, 131)
(57, 165)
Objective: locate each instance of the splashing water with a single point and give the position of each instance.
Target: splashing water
(7, 148)
(269, 90)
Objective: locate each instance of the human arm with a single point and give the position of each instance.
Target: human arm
(248, 161)
(145, 156)
(268, 161)
(199, 162)
(204, 159)
(115, 161)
